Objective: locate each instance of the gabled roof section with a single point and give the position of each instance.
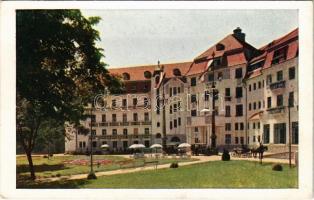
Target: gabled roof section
(137, 73)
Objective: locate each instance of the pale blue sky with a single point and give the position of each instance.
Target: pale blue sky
(139, 37)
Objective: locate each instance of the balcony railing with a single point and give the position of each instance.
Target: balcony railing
(103, 124)
(114, 123)
(227, 98)
(275, 110)
(124, 123)
(119, 137)
(278, 84)
(147, 123)
(135, 123)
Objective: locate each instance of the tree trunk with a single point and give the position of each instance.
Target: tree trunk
(31, 165)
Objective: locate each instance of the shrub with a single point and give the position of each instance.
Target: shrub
(277, 167)
(45, 156)
(225, 155)
(174, 165)
(58, 175)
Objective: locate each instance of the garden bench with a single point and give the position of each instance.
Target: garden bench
(154, 162)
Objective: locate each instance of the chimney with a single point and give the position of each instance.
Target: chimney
(237, 33)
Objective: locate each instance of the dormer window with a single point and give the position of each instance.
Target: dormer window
(147, 74)
(157, 78)
(176, 72)
(126, 76)
(220, 47)
(217, 62)
(280, 55)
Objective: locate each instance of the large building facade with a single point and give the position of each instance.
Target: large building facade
(256, 100)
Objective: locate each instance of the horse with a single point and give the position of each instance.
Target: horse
(259, 150)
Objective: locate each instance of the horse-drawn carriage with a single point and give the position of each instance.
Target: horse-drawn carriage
(245, 152)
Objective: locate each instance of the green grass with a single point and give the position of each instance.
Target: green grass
(55, 166)
(215, 174)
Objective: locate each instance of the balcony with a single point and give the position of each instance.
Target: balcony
(114, 123)
(94, 124)
(199, 121)
(103, 124)
(278, 84)
(119, 137)
(228, 98)
(135, 123)
(146, 123)
(275, 110)
(124, 123)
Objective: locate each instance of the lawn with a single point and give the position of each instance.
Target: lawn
(79, 164)
(215, 174)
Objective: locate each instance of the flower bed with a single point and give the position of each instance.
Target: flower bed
(87, 162)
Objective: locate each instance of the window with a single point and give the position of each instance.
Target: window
(145, 102)
(158, 135)
(295, 132)
(280, 133)
(250, 87)
(279, 76)
(147, 74)
(93, 118)
(124, 117)
(291, 99)
(254, 125)
(268, 102)
(236, 126)
(80, 144)
(179, 121)
(242, 140)
(254, 86)
(259, 105)
(291, 73)
(135, 117)
(170, 92)
(227, 126)
(84, 144)
(236, 140)
(146, 143)
(193, 113)
(279, 55)
(114, 144)
(175, 123)
(146, 131)
(196, 129)
(134, 102)
(113, 103)
(114, 131)
(158, 124)
(241, 126)
(146, 117)
(258, 138)
(124, 103)
(279, 100)
(239, 110)
(193, 81)
(179, 105)
(104, 131)
(206, 96)
(227, 92)
(125, 131)
(228, 112)
(170, 124)
(174, 91)
(114, 117)
(238, 73)
(125, 144)
(250, 106)
(175, 108)
(254, 105)
(94, 144)
(228, 139)
(238, 92)
(193, 98)
(220, 75)
(210, 77)
(135, 131)
(126, 76)
(170, 109)
(254, 138)
(179, 90)
(103, 118)
(259, 85)
(268, 79)
(258, 125)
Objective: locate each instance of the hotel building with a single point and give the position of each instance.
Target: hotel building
(256, 97)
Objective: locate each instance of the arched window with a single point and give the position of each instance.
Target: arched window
(147, 74)
(157, 79)
(176, 72)
(158, 135)
(126, 76)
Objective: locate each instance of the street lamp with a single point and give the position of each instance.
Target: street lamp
(91, 174)
(205, 111)
(213, 135)
(290, 104)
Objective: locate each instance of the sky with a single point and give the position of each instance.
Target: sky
(142, 37)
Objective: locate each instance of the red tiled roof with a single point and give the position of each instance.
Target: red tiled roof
(137, 73)
(236, 59)
(197, 68)
(230, 42)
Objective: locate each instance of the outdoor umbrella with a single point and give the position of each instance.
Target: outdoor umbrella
(104, 146)
(156, 146)
(184, 145)
(136, 146)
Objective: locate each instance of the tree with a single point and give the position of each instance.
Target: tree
(59, 70)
